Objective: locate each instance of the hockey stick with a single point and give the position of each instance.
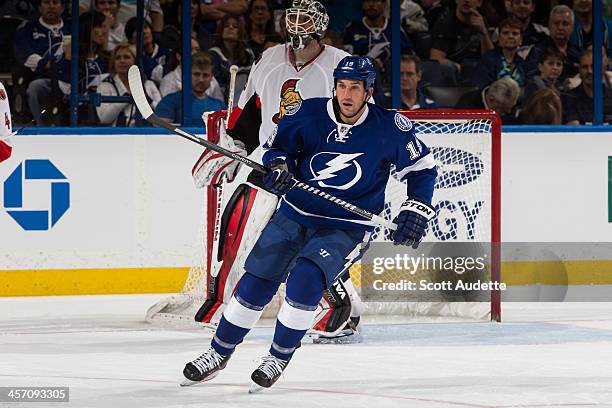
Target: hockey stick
(140, 99)
(232, 89)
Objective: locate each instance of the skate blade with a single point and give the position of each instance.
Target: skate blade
(188, 383)
(352, 338)
(255, 388)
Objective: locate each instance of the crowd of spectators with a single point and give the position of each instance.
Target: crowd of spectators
(531, 61)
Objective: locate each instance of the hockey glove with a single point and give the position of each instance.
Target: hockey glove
(213, 168)
(279, 179)
(412, 223)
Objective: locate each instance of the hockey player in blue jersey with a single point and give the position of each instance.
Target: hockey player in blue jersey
(344, 146)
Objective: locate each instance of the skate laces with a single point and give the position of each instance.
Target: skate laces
(207, 361)
(272, 366)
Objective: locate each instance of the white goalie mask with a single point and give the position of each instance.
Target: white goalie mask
(305, 20)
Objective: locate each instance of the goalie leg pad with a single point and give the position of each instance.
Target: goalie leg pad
(244, 217)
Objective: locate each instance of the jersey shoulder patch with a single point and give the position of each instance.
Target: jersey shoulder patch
(402, 122)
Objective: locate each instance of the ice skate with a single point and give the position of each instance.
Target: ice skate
(267, 373)
(204, 368)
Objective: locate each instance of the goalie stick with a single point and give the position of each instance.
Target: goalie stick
(232, 89)
(138, 93)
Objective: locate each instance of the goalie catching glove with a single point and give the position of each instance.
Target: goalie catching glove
(212, 167)
(412, 223)
(279, 179)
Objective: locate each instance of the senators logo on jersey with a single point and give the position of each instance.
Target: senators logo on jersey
(290, 100)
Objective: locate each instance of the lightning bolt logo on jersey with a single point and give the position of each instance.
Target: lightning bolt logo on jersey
(341, 170)
(354, 167)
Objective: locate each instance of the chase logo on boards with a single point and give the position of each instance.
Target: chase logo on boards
(36, 219)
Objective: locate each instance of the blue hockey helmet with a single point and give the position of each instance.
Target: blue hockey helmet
(356, 68)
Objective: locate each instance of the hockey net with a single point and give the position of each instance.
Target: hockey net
(467, 148)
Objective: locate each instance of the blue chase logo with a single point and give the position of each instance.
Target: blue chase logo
(36, 220)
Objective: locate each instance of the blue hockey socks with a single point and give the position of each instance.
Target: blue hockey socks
(305, 287)
(244, 309)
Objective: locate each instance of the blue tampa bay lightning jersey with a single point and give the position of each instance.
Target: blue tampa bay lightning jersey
(351, 162)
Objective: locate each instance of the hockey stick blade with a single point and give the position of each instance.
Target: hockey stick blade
(143, 106)
(138, 92)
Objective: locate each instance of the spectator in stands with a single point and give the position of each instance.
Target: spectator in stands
(214, 10)
(156, 59)
(38, 44)
(171, 35)
(413, 17)
(501, 96)
(549, 68)
(341, 13)
(582, 36)
(152, 12)
(371, 36)
(230, 49)
(93, 69)
(93, 55)
(173, 81)
(503, 60)
(460, 38)
(333, 39)
(122, 114)
(533, 33)
(170, 107)
(494, 12)
(542, 108)
(560, 25)
(116, 29)
(260, 26)
(578, 103)
(436, 9)
(410, 76)
(198, 28)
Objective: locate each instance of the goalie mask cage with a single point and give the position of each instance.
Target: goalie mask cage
(467, 149)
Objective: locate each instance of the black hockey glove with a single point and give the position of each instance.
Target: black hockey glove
(279, 179)
(412, 223)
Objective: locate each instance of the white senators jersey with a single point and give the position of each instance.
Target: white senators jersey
(275, 88)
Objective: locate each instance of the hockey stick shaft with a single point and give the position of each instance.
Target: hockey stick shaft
(140, 99)
(232, 89)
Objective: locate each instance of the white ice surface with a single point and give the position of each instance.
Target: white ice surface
(542, 355)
